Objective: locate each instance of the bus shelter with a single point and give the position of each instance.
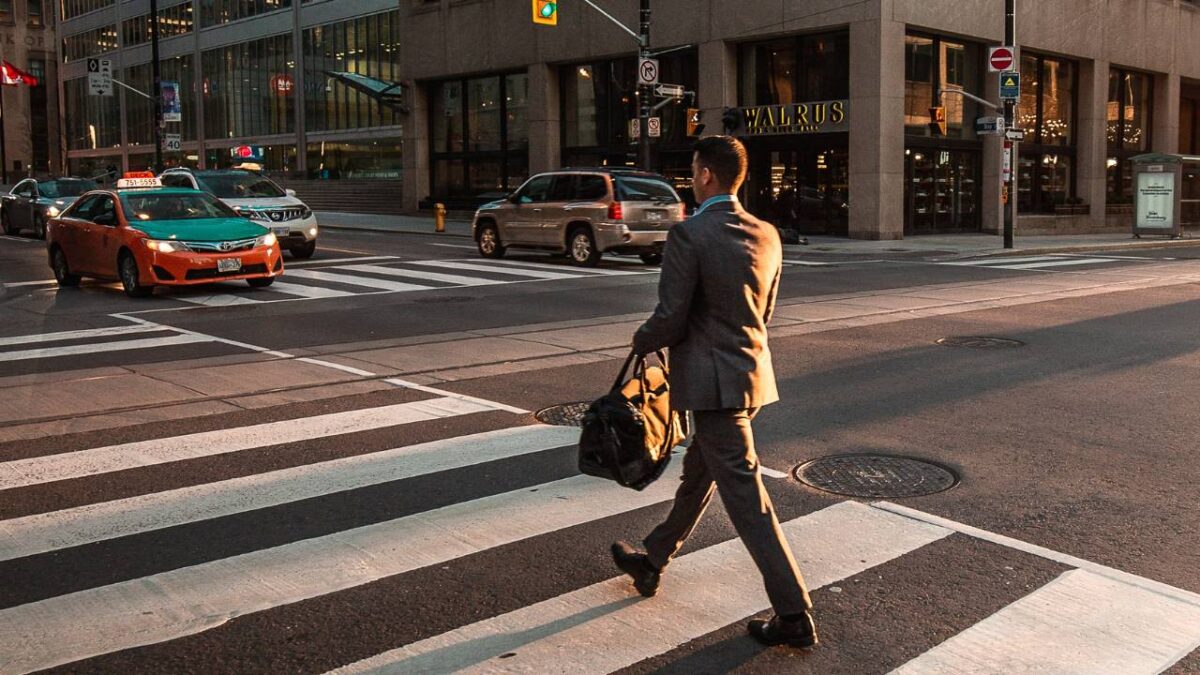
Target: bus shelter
(1166, 194)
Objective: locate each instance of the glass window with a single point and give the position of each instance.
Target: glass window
(592, 188)
(918, 82)
(480, 126)
(536, 190)
(563, 190)
(483, 113)
(485, 176)
(103, 208)
(35, 13)
(238, 185)
(448, 118)
(931, 66)
(581, 91)
(796, 70)
(248, 88)
(92, 122)
(172, 21)
(644, 189)
(6, 14)
(90, 43)
(516, 97)
(1046, 112)
(83, 208)
(73, 8)
(374, 158)
(56, 189)
(1130, 98)
(139, 112)
(177, 181)
(182, 206)
(216, 12)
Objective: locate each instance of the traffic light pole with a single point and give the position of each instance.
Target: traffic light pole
(645, 92)
(1010, 147)
(157, 75)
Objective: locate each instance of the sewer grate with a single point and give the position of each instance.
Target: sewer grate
(979, 342)
(875, 476)
(564, 414)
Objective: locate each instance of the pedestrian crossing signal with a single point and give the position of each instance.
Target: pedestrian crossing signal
(695, 126)
(545, 12)
(937, 121)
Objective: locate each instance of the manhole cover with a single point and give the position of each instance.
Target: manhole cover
(979, 342)
(875, 476)
(445, 298)
(564, 415)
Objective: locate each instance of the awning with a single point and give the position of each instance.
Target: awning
(387, 93)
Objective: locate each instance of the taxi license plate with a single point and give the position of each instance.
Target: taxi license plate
(282, 231)
(229, 264)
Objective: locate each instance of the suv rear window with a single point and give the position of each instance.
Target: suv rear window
(645, 189)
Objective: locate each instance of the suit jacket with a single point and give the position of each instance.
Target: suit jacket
(720, 278)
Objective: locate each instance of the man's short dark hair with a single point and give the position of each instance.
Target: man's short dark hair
(725, 156)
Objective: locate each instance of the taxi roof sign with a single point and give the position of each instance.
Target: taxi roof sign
(139, 179)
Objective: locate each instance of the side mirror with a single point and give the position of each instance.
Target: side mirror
(290, 192)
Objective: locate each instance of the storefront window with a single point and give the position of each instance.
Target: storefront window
(796, 70)
(73, 8)
(248, 89)
(216, 12)
(480, 129)
(139, 112)
(367, 47)
(483, 113)
(1046, 112)
(1130, 97)
(92, 122)
(933, 65)
(375, 159)
(90, 43)
(172, 21)
(278, 160)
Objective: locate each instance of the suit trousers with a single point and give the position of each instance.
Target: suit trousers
(722, 457)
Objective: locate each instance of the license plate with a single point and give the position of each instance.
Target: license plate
(654, 215)
(282, 231)
(229, 264)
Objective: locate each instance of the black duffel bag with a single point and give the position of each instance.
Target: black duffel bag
(628, 434)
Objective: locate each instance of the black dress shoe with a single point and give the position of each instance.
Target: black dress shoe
(801, 633)
(637, 565)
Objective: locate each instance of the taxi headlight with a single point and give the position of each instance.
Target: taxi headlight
(267, 239)
(166, 246)
(53, 212)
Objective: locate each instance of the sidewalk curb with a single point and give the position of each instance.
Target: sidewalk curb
(383, 230)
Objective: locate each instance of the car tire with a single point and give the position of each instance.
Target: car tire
(487, 240)
(581, 245)
(652, 258)
(260, 282)
(304, 251)
(6, 222)
(39, 227)
(62, 272)
(127, 268)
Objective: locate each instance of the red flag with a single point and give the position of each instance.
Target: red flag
(13, 76)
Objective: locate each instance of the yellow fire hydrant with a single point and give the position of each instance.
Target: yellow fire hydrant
(439, 217)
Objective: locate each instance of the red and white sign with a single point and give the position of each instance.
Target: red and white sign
(1007, 163)
(283, 84)
(1001, 59)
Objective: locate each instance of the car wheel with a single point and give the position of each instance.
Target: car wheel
(651, 258)
(39, 227)
(582, 247)
(62, 273)
(128, 269)
(6, 222)
(488, 242)
(261, 282)
(305, 250)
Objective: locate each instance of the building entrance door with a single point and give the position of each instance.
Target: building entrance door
(941, 190)
(802, 187)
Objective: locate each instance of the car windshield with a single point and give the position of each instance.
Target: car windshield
(645, 189)
(57, 189)
(239, 186)
(178, 206)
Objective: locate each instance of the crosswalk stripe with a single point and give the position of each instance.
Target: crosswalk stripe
(51, 468)
(307, 291)
(988, 262)
(218, 300)
(355, 280)
(79, 334)
(190, 600)
(118, 346)
(578, 270)
(44, 532)
(1058, 263)
(1078, 623)
(472, 267)
(456, 279)
(604, 627)
(294, 264)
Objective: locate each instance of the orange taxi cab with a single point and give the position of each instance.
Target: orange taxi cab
(145, 235)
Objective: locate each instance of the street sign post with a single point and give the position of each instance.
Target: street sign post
(1001, 59)
(1010, 85)
(669, 90)
(647, 71)
(100, 82)
(172, 142)
(1015, 134)
(654, 124)
(635, 129)
(989, 126)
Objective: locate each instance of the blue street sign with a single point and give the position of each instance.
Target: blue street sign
(1010, 85)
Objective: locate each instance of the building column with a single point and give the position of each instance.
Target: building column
(876, 113)
(1165, 131)
(545, 123)
(1091, 139)
(415, 148)
(717, 84)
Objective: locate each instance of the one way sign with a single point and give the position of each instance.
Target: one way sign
(100, 81)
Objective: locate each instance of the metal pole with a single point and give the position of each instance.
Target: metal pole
(644, 92)
(1010, 39)
(3, 148)
(157, 75)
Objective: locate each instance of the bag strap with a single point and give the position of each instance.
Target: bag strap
(624, 369)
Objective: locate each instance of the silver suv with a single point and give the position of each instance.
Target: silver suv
(583, 213)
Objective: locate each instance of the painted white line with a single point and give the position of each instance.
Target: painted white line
(120, 346)
(1042, 552)
(232, 343)
(471, 248)
(21, 239)
(307, 291)
(471, 267)
(1114, 257)
(337, 366)
(219, 300)
(1058, 263)
(806, 263)
(579, 270)
(456, 279)
(51, 282)
(988, 262)
(190, 600)
(449, 394)
(771, 473)
(334, 261)
(355, 280)
(85, 334)
(605, 627)
(1078, 623)
(44, 532)
(51, 468)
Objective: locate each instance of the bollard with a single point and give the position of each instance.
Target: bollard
(439, 217)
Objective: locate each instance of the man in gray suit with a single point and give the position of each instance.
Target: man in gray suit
(720, 278)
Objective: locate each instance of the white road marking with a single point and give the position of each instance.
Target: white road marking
(119, 346)
(40, 533)
(578, 270)
(808, 263)
(771, 473)
(21, 239)
(354, 280)
(988, 262)
(452, 265)
(85, 334)
(456, 279)
(190, 600)
(64, 466)
(218, 300)
(1113, 257)
(449, 394)
(605, 627)
(1079, 623)
(307, 291)
(1057, 263)
(334, 261)
(18, 284)
(471, 248)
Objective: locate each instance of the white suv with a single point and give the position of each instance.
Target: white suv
(259, 199)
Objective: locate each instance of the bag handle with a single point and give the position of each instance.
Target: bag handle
(639, 368)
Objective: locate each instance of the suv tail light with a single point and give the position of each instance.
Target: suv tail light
(615, 211)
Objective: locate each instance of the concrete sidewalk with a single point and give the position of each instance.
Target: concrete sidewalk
(962, 245)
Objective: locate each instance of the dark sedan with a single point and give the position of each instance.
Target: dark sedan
(32, 203)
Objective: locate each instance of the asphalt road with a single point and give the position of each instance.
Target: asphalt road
(252, 515)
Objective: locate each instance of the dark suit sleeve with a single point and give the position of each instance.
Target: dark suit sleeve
(676, 288)
(772, 297)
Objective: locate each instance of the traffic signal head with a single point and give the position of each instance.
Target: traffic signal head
(545, 12)
(731, 119)
(937, 120)
(695, 126)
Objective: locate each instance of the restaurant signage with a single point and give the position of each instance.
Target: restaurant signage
(818, 117)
